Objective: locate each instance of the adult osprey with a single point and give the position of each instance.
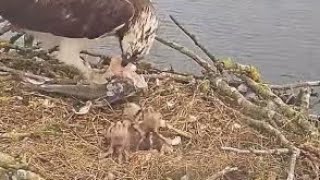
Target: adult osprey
(76, 22)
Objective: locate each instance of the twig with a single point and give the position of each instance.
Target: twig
(292, 165)
(194, 39)
(314, 116)
(294, 150)
(203, 63)
(256, 151)
(229, 65)
(80, 91)
(288, 111)
(176, 77)
(24, 74)
(293, 159)
(294, 85)
(262, 125)
(178, 131)
(4, 73)
(222, 173)
(247, 107)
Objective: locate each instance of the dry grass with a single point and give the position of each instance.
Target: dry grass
(66, 146)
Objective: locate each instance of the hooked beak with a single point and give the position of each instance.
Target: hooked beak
(125, 61)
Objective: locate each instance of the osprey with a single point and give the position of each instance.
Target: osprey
(78, 22)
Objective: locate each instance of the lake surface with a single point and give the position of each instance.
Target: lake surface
(280, 37)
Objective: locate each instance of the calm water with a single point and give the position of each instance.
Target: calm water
(281, 37)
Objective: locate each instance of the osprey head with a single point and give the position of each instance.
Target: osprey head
(137, 41)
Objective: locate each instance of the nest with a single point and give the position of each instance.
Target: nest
(58, 144)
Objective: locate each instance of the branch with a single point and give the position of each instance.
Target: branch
(292, 165)
(293, 159)
(194, 39)
(314, 116)
(24, 74)
(203, 63)
(288, 111)
(256, 151)
(247, 107)
(176, 77)
(294, 150)
(229, 64)
(262, 125)
(80, 91)
(222, 173)
(294, 85)
(178, 131)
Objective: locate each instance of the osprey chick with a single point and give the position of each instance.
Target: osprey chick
(78, 22)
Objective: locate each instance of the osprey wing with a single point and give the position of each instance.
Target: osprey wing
(68, 18)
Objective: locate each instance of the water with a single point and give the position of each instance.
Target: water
(282, 37)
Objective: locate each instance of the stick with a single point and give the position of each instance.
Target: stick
(4, 73)
(194, 39)
(24, 74)
(293, 159)
(175, 77)
(87, 92)
(288, 111)
(262, 125)
(256, 151)
(294, 85)
(248, 108)
(314, 116)
(294, 150)
(178, 131)
(203, 63)
(222, 173)
(292, 165)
